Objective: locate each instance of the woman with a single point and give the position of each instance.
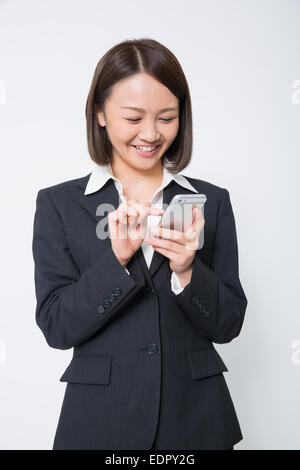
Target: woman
(140, 312)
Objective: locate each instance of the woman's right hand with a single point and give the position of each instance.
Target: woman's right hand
(128, 226)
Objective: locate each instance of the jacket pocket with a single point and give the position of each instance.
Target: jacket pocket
(88, 370)
(205, 363)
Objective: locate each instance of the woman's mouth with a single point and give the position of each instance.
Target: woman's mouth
(146, 153)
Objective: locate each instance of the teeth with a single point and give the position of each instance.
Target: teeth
(145, 149)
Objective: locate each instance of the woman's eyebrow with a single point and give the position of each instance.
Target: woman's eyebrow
(142, 110)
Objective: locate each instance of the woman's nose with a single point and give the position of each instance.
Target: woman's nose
(149, 132)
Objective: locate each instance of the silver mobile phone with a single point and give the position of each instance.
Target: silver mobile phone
(179, 215)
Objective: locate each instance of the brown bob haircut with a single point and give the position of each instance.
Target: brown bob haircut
(129, 58)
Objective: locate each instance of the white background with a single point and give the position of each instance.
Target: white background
(241, 59)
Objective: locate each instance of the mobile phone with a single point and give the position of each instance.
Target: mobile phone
(179, 213)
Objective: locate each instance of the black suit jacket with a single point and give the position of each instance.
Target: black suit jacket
(144, 366)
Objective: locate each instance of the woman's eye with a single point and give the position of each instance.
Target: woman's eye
(165, 120)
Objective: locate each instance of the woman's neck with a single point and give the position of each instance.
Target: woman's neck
(138, 184)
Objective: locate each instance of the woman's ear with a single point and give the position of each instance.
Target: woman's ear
(99, 116)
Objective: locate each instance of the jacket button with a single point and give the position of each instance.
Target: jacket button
(112, 298)
(106, 303)
(116, 291)
(152, 348)
(195, 300)
(204, 311)
(148, 290)
(101, 309)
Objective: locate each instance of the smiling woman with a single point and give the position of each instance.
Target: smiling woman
(150, 106)
(140, 313)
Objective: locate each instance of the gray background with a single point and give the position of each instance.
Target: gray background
(242, 62)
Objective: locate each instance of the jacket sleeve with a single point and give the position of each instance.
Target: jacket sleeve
(214, 299)
(71, 307)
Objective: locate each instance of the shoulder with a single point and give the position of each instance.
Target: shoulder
(65, 187)
(63, 192)
(218, 203)
(61, 197)
(211, 190)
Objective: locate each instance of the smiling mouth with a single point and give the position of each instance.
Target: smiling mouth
(146, 153)
(147, 146)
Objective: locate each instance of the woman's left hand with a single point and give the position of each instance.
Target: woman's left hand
(179, 247)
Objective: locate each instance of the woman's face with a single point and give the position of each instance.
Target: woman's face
(151, 125)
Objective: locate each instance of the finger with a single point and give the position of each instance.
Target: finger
(113, 219)
(192, 235)
(132, 213)
(168, 254)
(139, 221)
(132, 220)
(197, 220)
(145, 210)
(200, 222)
(150, 210)
(166, 233)
(155, 211)
(123, 223)
(166, 244)
(134, 208)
